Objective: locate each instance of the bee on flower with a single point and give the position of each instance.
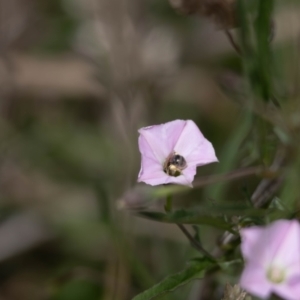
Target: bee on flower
(171, 153)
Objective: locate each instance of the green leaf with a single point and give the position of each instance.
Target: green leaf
(195, 269)
(230, 155)
(224, 265)
(255, 18)
(185, 217)
(263, 31)
(230, 210)
(78, 290)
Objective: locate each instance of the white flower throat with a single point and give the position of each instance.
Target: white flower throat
(174, 164)
(276, 274)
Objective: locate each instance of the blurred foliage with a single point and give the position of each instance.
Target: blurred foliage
(78, 78)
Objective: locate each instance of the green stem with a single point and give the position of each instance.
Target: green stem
(193, 241)
(168, 205)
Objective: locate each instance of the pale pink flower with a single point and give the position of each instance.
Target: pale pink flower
(171, 152)
(272, 256)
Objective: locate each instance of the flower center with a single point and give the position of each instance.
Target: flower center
(174, 164)
(276, 274)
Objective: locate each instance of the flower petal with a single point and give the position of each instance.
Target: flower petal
(189, 173)
(274, 246)
(202, 155)
(155, 179)
(253, 280)
(151, 171)
(195, 148)
(250, 241)
(147, 151)
(182, 180)
(287, 292)
(272, 242)
(157, 142)
(162, 138)
(288, 243)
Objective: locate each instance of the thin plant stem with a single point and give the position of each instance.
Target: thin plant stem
(265, 190)
(232, 42)
(233, 175)
(193, 241)
(168, 205)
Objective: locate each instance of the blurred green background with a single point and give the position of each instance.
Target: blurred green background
(78, 78)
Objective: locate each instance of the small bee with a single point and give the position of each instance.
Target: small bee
(174, 164)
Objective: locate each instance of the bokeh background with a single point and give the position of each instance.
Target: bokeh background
(78, 78)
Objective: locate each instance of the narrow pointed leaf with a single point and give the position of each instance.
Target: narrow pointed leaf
(196, 269)
(184, 217)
